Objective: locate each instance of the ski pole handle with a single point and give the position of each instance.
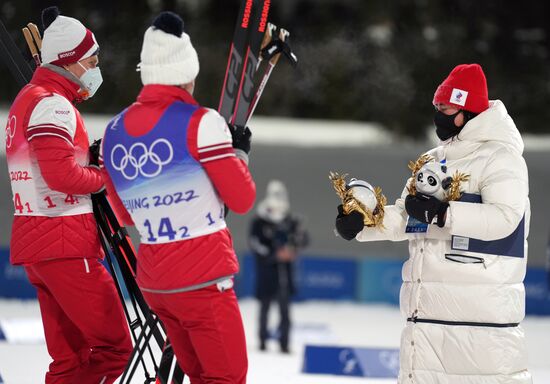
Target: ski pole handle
(36, 35)
(283, 35)
(32, 47)
(268, 37)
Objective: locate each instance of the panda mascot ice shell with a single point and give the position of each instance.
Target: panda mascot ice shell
(432, 180)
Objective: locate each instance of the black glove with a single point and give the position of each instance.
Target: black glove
(94, 159)
(241, 137)
(94, 152)
(348, 226)
(424, 208)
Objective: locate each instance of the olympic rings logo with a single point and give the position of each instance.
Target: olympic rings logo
(141, 160)
(10, 131)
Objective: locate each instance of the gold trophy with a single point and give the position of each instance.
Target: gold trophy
(360, 196)
(429, 177)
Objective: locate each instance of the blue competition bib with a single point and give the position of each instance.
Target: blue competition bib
(160, 153)
(165, 190)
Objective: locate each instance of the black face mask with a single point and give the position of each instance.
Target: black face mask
(445, 125)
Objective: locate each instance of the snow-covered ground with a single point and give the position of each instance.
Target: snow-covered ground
(319, 323)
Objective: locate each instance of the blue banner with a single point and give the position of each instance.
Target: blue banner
(326, 278)
(245, 281)
(316, 278)
(537, 292)
(322, 278)
(13, 279)
(380, 280)
(351, 361)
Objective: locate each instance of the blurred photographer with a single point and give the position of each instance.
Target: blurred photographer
(276, 238)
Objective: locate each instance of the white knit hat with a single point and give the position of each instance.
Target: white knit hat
(65, 40)
(275, 206)
(167, 55)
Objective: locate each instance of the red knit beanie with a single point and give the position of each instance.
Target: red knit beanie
(465, 88)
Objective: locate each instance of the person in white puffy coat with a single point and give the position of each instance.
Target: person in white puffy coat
(463, 294)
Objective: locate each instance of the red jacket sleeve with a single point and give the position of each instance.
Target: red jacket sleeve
(228, 173)
(233, 182)
(114, 199)
(59, 169)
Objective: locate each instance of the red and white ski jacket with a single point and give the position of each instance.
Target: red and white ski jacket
(169, 167)
(47, 153)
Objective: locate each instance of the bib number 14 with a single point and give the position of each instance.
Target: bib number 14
(167, 229)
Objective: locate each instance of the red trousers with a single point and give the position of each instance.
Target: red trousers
(86, 332)
(206, 331)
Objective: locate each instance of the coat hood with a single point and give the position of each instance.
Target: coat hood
(492, 125)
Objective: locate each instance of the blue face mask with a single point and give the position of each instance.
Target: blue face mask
(91, 79)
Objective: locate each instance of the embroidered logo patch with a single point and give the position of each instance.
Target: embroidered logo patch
(459, 97)
(62, 114)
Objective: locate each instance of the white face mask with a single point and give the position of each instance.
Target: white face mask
(91, 79)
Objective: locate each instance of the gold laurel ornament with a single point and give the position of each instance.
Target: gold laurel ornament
(455, 192)
(429, 177)
(360, 196)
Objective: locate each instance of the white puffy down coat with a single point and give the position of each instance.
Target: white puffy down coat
(464, 298)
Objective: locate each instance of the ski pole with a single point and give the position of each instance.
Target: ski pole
(31, 45)
(34, 41)
(12, 57)
(268, 37)
(126, 259)
(272, 52)
(36, 35)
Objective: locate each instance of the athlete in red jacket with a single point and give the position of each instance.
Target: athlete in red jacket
(54, 233)
(170, 166)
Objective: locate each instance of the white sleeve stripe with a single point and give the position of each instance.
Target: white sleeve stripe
(48, 126)
(48, 134)
(217, 157)
(215, 147)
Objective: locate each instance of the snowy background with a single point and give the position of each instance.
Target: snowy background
(315, 323)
